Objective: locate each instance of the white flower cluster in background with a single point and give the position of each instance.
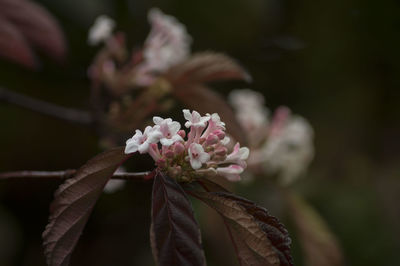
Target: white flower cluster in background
(204, 152)
(101, 30)
(168, 44)
(280, 145)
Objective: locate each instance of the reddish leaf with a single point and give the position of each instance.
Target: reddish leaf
(13, 46)
(175, 235)
(73, 203)
(259, 238)
(206, 67)
(37, 25)
(319, 245)
(204, 100)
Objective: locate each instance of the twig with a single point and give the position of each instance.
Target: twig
(64, 113)
(67, 174)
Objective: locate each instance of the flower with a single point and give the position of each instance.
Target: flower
(250, 109)
(197, 156)
(101, 30)
(168, 129)
(141, 141)
(204, 152)
(194, 119)
(238, 155)
(232, 172)
(168, 44)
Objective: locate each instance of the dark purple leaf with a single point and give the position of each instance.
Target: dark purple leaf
(38, 27)
(175, 235)
(73, 203)
(206, 67)
(13, 46)
(204, 100)
(258, 237)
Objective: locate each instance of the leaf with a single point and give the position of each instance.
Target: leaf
(13, 46)
(175, 234)
(73, 203)
(204, 100)
(319, 245)
(258, 237)
(206, 67)
(38, 27)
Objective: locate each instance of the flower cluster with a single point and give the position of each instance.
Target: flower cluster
(203, 153)
(282, 144)
(168, 44)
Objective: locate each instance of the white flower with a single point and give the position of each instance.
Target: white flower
(197, 156)
(168, 42)
(141, 141)
(291, 151)
(101, 30)
(168, 129)
(231, 172)
(194, 119)
(250, 110)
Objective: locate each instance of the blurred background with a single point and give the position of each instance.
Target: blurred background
(335, 63)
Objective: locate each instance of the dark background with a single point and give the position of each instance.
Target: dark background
(337, 63)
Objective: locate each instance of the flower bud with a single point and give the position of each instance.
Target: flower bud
(182, 133)
(161, 163)
(212, 139)
(221, 151)
(169, 154)
(178, 148)
(219, 133)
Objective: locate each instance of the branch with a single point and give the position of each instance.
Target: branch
(45, 108)
(69, 173)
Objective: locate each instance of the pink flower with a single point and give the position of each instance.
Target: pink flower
(238, 155)
(141, 141)
(197, 156)
(231, 172)
(169, 130)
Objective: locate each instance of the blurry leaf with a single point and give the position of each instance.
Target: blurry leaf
(319, 245)
(13, 46)
(175, 235)
(259, 238)
(206, 67)
(204, 100)
(37, 26)
(73, 203)
(211, 186)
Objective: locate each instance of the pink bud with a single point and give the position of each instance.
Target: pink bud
(161, 163)
(219, 133)
(221, 151)
(178, 148)
(211, 139)
(169, 154)
(182, 133)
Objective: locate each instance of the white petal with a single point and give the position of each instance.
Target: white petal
(174, 127)
(143, 148)
(187, 114)
(166, 142)
(196, 164)
(157, 120)
(204, 157)
(131, 148)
